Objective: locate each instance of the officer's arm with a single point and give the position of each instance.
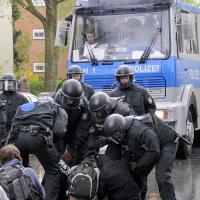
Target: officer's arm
(149, 103)
(150, 143)
(24, 100)
(60, 123)
(57, 97)
(82, 131)
(127, 109)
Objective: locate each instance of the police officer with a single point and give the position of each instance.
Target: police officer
(3, 134)
(10, 97)
(150, 146)
(34, 128)
(135, 95)
(101, 106)
(116, 181)
(72, 99)
(75, 72)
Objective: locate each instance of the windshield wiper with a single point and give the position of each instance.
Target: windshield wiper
(91, 54)
(150, 46)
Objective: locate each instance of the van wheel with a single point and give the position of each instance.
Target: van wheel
(185, 150)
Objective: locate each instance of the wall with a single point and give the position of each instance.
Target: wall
(6, 38)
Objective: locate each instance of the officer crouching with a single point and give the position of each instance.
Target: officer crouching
(151, 143)
(35, 128)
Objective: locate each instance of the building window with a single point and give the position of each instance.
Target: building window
(38, 34)
(38, 67)
(38, 2)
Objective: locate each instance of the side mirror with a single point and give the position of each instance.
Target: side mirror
(61, 33)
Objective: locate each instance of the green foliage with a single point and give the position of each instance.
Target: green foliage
(15, 11)
(65, 8)
(192, 2)
(16, 54)
(21, 48)
(36, 82)
(17, 59)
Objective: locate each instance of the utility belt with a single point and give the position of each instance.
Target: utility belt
(36, 130)
(33, 129)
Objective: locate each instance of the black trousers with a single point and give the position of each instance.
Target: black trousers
(163, 171)
(48, 157)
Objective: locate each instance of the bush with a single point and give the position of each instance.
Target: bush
(36, 82)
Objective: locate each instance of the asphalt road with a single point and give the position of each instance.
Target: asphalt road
(186, 178)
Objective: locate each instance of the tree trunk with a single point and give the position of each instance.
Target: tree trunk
(51, 52)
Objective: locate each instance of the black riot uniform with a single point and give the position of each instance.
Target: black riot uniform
(101, 106)
(168, 147)
(115, 180)
(150, 146)
(34, 128)
(137, 96)
(3, 118)
(76, 70)
(72, 99)
(10, 97)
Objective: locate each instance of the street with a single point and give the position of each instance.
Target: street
(186, 178)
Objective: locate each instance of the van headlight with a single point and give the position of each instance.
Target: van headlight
(162, 114)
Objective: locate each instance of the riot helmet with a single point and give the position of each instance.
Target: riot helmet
(73, 71)
(8, 82)
(72, 92)
(100, 105)
(124, 71)
(115, 127)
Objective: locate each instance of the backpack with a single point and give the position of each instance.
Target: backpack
(17, 185)
(84, 180)
(41, 113)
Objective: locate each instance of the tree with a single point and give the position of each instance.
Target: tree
(49, 22)
(193, 2)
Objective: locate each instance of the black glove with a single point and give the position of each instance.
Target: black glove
(102, 141)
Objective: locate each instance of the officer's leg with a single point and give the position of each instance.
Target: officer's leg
(49, 159)
(21, 144)
(163, 172)
(142, 184)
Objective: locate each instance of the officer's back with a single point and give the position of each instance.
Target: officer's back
(116, 181)
(35, 128)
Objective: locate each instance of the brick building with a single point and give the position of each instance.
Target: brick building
(30, 25)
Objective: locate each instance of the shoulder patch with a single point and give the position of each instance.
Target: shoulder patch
(28, 107)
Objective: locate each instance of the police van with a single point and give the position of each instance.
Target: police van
(159, 39)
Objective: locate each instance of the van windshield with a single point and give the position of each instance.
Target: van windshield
(119, 36)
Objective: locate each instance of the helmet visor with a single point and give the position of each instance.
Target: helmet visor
(77, 77)
(103, 113)
(118, 136)
(70, 103)
(8, 85)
